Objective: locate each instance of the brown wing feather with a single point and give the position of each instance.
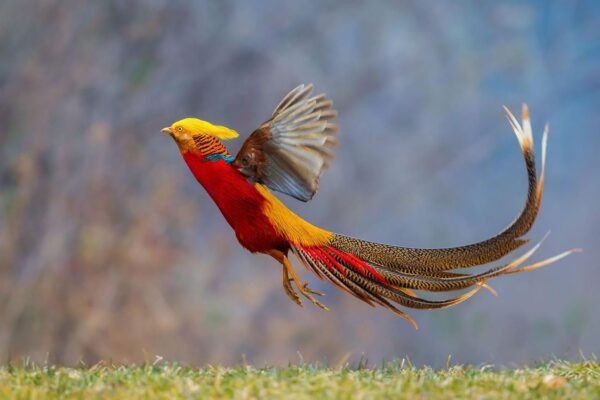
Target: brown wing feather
(289, 152)
(251, 159)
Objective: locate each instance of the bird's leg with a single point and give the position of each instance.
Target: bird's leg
(288, 270)
(303, 287)
(289, 290)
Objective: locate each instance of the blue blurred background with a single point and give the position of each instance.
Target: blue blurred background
(110, 250)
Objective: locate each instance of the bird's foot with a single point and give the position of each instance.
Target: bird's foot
(311, 291)
(308, 293)
(289, 275)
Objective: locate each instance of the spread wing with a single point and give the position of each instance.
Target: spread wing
(288, 152)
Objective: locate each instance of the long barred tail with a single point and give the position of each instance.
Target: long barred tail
(417, 260)
(387, 275)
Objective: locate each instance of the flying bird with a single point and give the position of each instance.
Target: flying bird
(287, 154)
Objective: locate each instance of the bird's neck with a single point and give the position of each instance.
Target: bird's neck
(206, 147)
(235, 196)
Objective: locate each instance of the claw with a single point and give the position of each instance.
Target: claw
(317, 302)
(289, 276)
(320, 305)
(295, 298)
(309, 290)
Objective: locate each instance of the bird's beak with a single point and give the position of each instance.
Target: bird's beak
(166, 130)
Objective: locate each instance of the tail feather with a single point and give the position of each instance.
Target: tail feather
(364, 285)
(380, 285)
(415, 260)
(387, 275)
(433, 283)
(369, 291)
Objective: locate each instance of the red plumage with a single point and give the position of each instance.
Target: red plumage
(239, 201)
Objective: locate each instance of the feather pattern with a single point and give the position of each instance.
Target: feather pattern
(289, 152)
(414, 260)
(387, 275)
(210, 146)
(378, 284)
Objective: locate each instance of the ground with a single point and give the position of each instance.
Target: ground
(398, 380)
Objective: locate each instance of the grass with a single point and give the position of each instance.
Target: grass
(554, 380)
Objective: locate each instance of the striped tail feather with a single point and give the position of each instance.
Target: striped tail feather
(364, 281)
(387, 275)
(414, 260)
(379, 284)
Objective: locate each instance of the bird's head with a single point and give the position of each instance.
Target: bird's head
(187, 131)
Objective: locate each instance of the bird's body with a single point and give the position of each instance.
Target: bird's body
(239, 201)
(288, 153)
(260, 221)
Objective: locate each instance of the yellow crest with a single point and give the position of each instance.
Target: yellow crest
(198, 127)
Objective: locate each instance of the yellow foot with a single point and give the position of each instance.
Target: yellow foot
(308, 292)
(289, 275)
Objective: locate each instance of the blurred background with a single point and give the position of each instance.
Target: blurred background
(110, 250)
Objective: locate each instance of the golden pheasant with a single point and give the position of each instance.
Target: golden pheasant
(287, 154)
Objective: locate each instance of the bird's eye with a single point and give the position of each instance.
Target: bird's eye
(179, 128)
